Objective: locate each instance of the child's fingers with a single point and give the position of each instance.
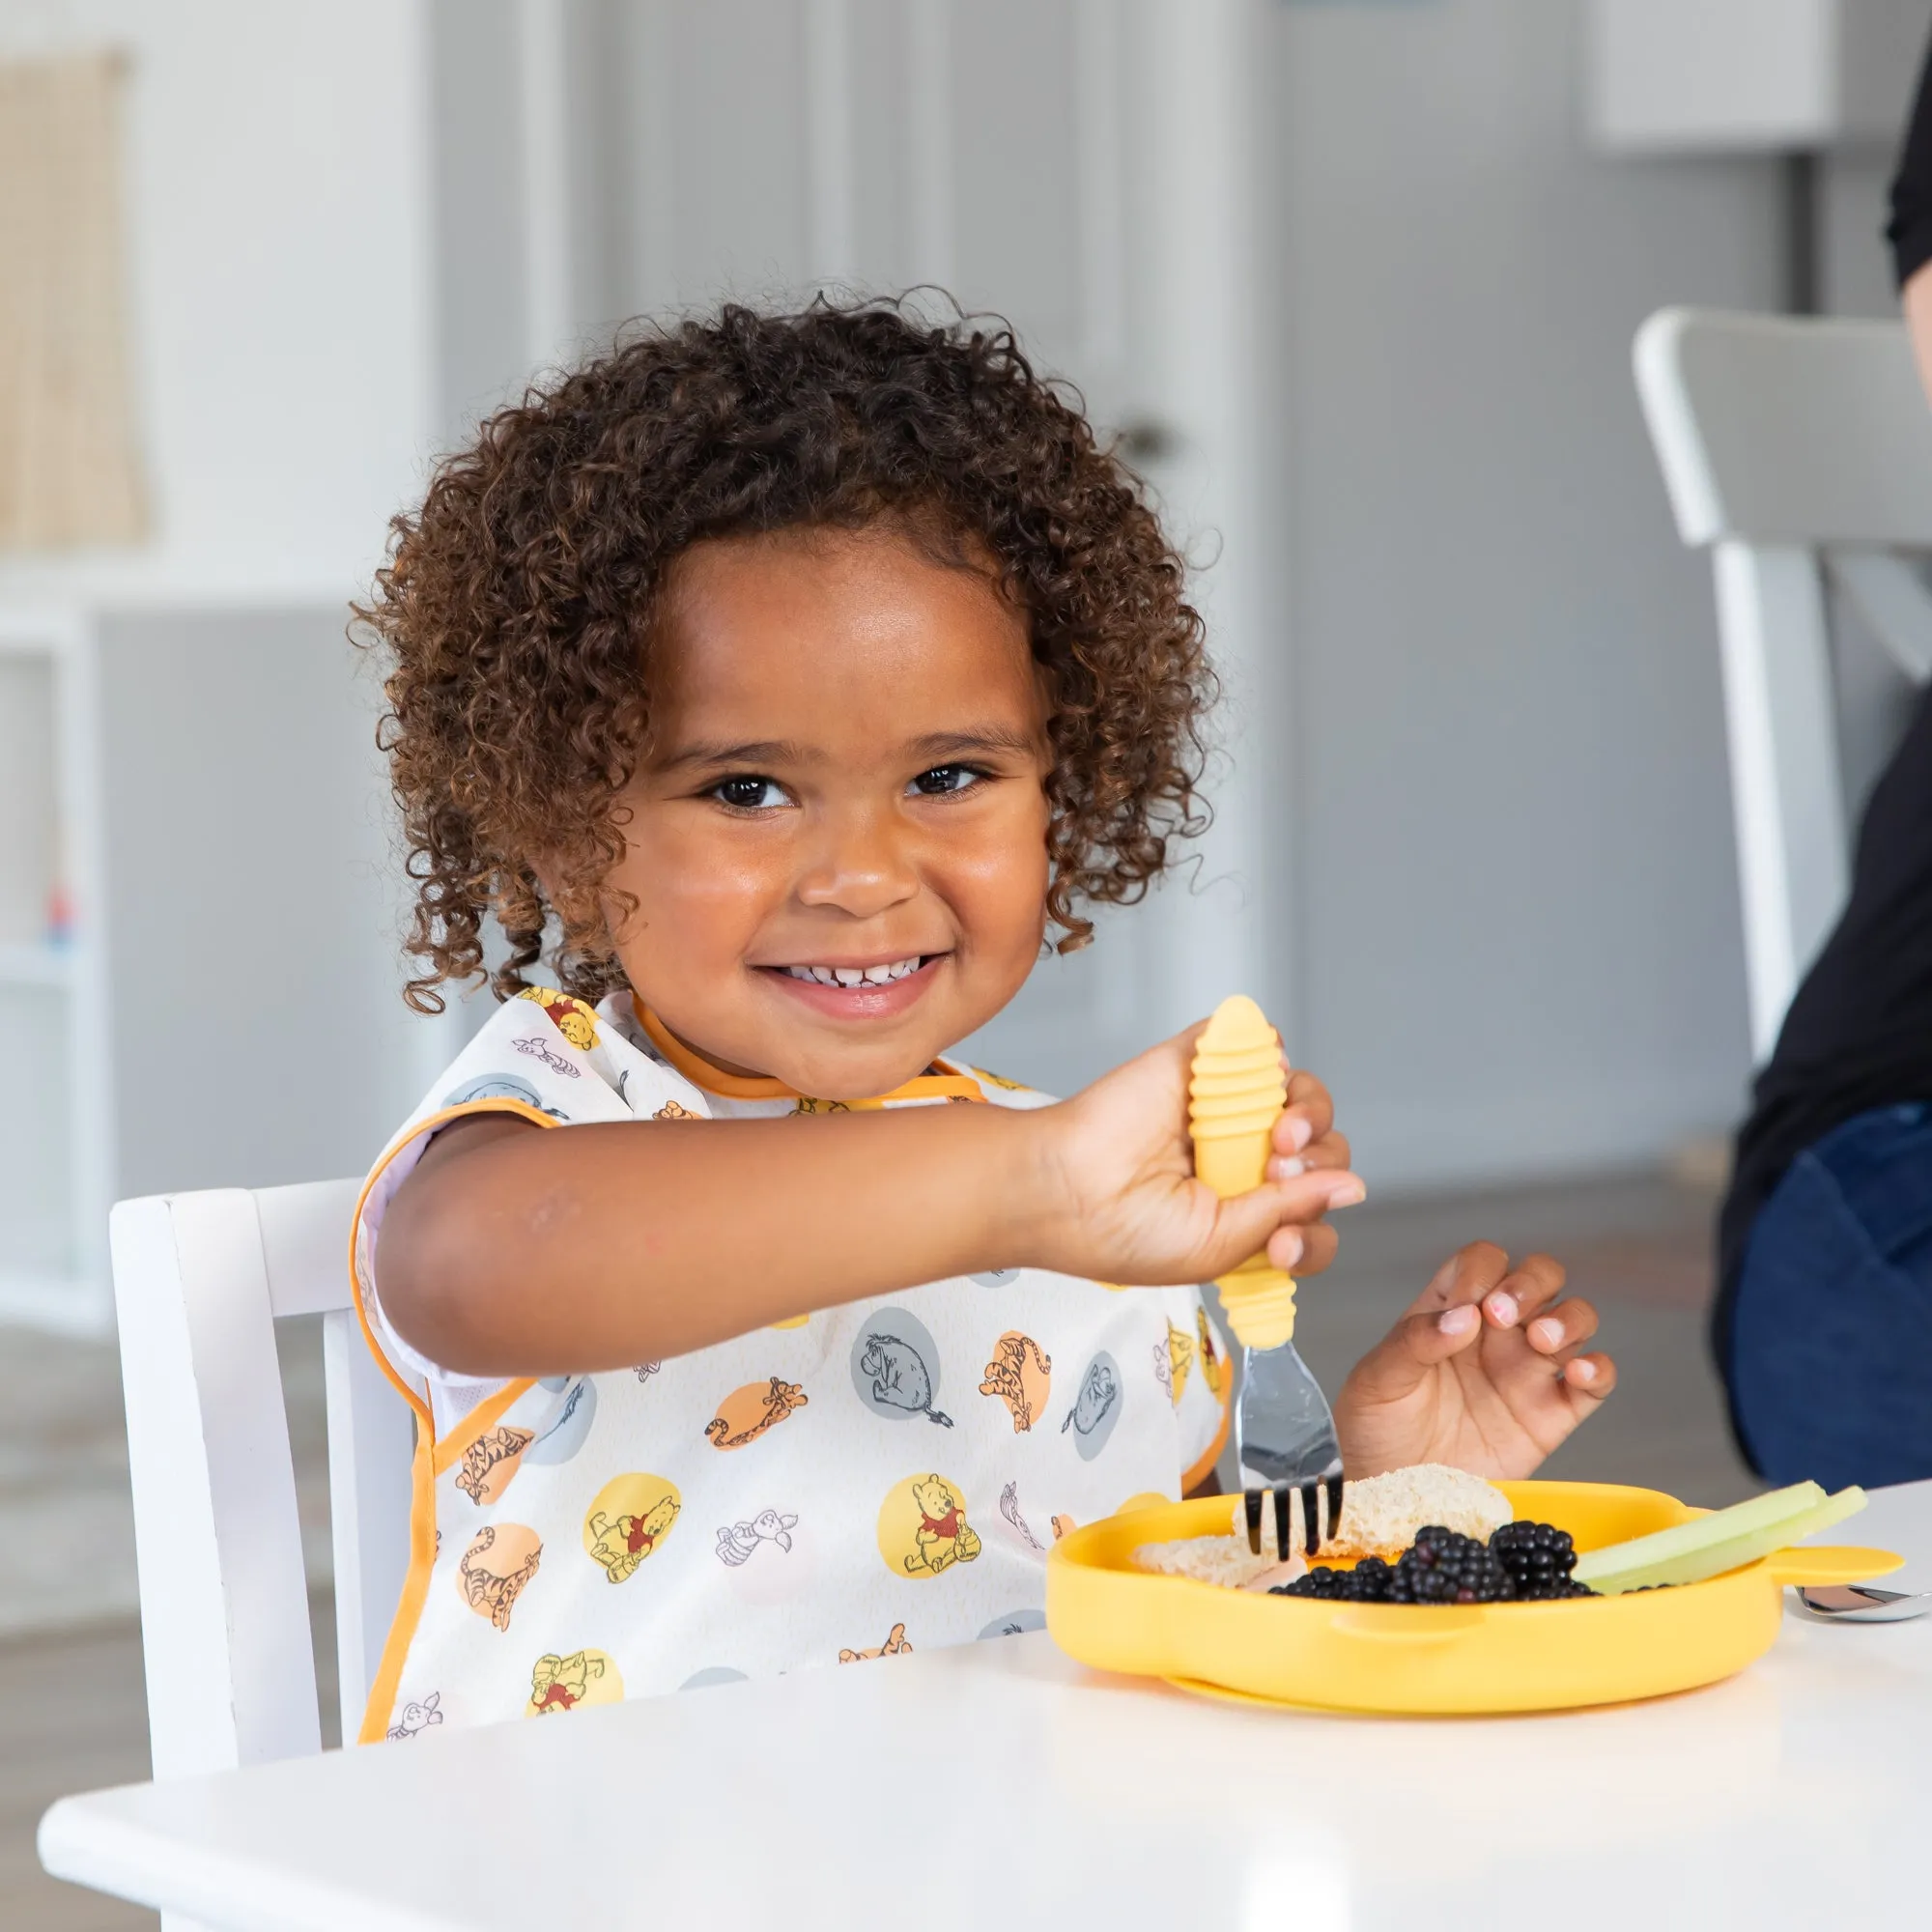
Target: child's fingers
(1246, 1223)
(1463, 1279)
(1310, 1113)
(1331, 1151)
(1589, 1379)
(1562, 1330)
(1521, 1294)
(1304, 1250)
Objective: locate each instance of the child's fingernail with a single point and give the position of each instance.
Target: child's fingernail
(1285, 1247)
(1583, 1371)
(1547, 1331)
(1502, 1310)
(1347, 1193)
(1284, 1167)
(1299, 1131)
(1456, 1320)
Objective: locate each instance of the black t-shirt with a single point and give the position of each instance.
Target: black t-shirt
(1859, 1034)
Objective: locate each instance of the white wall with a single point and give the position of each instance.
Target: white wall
(276, 169)
(1519, 933)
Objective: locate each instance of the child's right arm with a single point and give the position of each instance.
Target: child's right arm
(515, 1251)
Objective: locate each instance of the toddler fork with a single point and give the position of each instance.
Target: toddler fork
(1284, 1430)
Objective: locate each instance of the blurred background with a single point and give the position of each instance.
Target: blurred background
(1356, 283)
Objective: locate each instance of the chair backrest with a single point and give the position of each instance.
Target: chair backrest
(199, 1282)
(1800, 453)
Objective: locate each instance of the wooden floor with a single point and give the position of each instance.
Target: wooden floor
(72, 1712)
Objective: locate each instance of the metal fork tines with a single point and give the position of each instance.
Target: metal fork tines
(1310, 1494)
(1286, 1444)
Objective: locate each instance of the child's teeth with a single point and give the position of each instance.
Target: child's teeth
(856, 976)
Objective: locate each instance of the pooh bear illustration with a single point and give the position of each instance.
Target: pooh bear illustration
(943, 1536)
(1021, 1375)
(1180, 1360)
(1211, 1363)
(562, 1683)
(572, 1018)
(501, 1560)
(622, 1543)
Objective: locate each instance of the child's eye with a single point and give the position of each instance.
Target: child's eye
(943, 779)
(749, 794)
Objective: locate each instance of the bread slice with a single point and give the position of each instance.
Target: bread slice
(1379, 1518)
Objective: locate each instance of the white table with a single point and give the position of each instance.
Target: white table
(999, 1784)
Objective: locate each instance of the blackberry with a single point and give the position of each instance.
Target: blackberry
(1538, 1557)
(1366, 1583)
(1442, 1566)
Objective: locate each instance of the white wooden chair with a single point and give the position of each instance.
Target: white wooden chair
(199, 1283)
(1799, 453)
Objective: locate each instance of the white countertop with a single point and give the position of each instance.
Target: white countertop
(1000, 1784)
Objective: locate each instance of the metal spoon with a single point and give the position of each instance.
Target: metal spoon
(1864, 1603)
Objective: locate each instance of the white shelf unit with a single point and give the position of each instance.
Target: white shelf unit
(56, 1149)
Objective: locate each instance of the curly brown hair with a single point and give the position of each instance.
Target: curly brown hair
(517, 602)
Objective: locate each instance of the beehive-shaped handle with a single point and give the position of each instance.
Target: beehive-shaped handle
(1235, 1096)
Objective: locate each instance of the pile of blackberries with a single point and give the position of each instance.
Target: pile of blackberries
(1521, 1563)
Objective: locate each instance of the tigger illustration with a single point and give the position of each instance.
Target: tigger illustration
(745, 1413)
(943, 1536)
(1210, 1362)
(1020, 1376)
(490, 1462)
(572, 1018)
(894, 1646)
(622, 1544)
(501, 1558)
(672, 1111)
(559, 1682)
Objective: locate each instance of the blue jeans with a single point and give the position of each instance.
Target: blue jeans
(1831, 1356)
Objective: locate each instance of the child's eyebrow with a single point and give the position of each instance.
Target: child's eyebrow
(755, 752)
(932, 749)
(938, 744)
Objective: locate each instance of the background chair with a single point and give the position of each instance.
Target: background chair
(1799, 454)
(200, 1281)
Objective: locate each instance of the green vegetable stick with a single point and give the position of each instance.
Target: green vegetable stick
(1732, 1553)
(1759, 1512)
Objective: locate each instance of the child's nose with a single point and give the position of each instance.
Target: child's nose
(862, 865)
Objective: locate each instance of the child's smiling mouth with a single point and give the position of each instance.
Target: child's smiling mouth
(859, 989)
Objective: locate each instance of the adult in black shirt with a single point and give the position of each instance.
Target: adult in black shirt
(1824, 1318)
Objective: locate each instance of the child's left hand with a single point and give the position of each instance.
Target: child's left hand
(1486, 1371)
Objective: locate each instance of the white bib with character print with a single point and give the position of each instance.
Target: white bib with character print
(875, 1478)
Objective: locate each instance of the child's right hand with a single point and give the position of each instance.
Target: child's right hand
(1120, 1168)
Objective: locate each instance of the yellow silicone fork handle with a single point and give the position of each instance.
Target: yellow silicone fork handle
(1259, 1302)
(1831, 1562)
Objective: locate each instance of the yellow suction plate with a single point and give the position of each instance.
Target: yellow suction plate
(1418, 1659)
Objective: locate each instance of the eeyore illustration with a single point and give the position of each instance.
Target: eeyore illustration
(899, 1377)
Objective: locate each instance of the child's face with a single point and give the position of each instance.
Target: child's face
(845, 772)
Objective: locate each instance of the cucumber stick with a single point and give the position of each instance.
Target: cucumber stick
(1715, 1543)
(1682, 1539)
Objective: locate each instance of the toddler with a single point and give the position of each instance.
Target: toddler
(788, 680)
